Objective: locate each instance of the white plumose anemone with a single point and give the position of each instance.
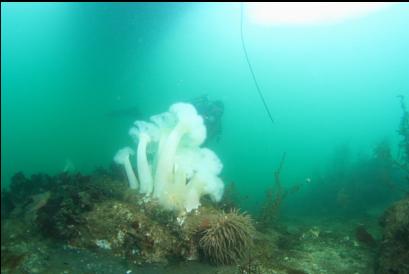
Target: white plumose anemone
(122, 158)
(180, 172)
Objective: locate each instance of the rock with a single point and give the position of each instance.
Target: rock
(394, 249)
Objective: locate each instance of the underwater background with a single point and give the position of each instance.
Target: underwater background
(66, 67)
(75, 76)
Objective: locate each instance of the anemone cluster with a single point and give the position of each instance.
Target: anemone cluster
(227, 238)
(170, 162)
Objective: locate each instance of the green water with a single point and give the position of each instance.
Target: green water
(66, 66)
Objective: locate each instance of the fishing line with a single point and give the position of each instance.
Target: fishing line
(243, 44)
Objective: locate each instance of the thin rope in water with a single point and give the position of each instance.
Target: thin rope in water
(243, 44)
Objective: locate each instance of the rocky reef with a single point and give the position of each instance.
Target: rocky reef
(101, 214)
(96, 224)
(394, 249)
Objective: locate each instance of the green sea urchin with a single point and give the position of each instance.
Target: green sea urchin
(227, 238)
